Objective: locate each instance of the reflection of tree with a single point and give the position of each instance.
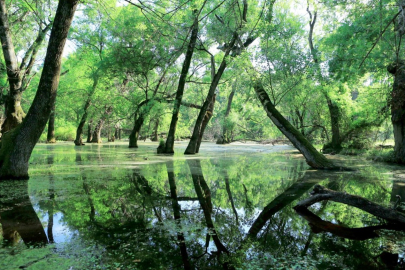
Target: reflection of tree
(176, 212)
(20, 218)
(287, 197)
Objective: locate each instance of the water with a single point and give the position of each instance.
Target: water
(110, 207)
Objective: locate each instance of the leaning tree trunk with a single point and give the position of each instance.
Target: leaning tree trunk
(79, 141)
(133, 137)
(97, 130)
(398, 109)
(206, 120)
(312, 156)
(50, 138)
(17, 145)
(169, 146)
(193, 145)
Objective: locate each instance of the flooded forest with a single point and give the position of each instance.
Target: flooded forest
(196, 134)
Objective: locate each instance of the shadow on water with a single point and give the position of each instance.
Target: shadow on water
(225, 212)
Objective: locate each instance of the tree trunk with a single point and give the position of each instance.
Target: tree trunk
(16, 74)
(89, 133)
(312, 156)
(96, 138)
(206, 120)
(133, 137)
(226, 137)
(169, 146)
(50, 138)
(193, 145)
(336, 143)
(79, 141)
(155, 136)
(398, 109)
(97, 130)
(17, 145)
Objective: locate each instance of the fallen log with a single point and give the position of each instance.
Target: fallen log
(321, 193)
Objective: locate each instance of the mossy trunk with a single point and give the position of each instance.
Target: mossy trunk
(169, 145)
(17, 145)
(50, 137)
(398, 109)
(133, 137)
(314, 159)
(13, 112)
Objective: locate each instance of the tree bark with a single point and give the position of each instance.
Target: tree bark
(50, 138)
(17, 145)
(398, 109)
(336, 143)
(79, 141)
(16, 74)
(206, 120)
(314, 159)
(169, 146)
(193, 146)
(226, 137)
(155, 136)
(133, 137)
(97, 130)
(89, 133)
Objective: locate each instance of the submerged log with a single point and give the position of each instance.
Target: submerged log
(321, 193)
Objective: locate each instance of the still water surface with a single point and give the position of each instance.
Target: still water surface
(230, 207)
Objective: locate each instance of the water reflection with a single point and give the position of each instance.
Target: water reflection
(18, 218)
(221, 212)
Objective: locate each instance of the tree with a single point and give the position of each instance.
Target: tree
(169, 145)
(17, 145)
(19, 74)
